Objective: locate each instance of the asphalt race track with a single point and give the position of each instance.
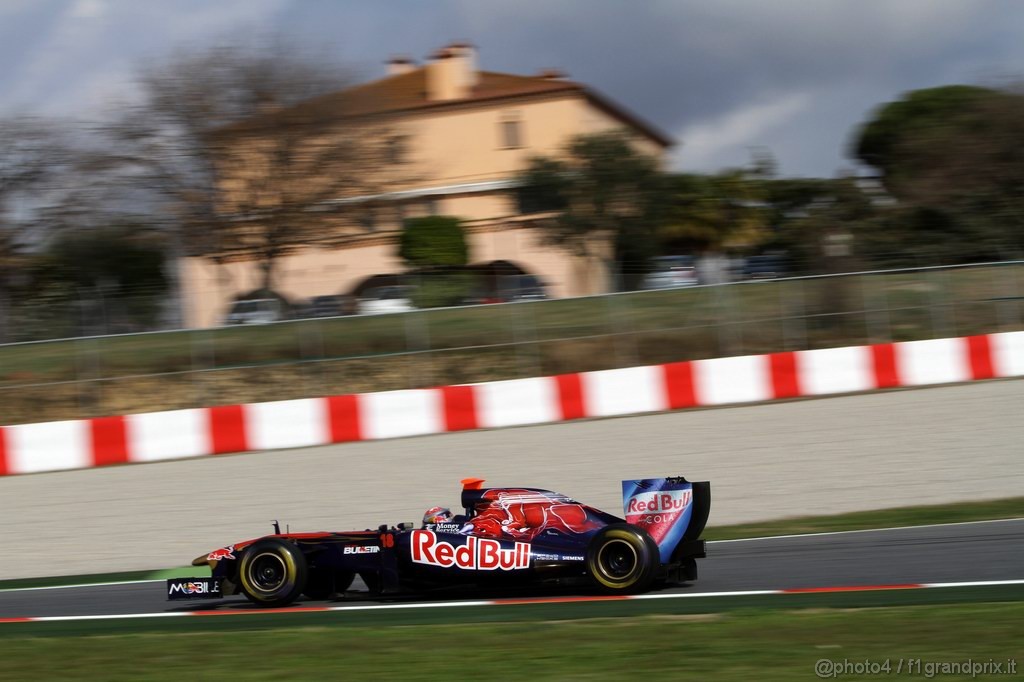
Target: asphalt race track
(948, 553)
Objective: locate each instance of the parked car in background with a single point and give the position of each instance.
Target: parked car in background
(523, 288)
(386, 299)
(766, 266)
(718, 268)
(256, 311)
(509, 288)
(669, 272)
(327, 306)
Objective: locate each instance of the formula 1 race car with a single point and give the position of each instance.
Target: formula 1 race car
(506, 536)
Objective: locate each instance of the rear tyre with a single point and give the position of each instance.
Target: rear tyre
(273, 572)
(622, 559)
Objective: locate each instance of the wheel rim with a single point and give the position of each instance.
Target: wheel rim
(617, 560)
(267, 572)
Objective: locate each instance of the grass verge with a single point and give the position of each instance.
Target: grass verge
(743, 644)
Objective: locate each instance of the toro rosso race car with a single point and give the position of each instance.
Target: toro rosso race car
(505, 536)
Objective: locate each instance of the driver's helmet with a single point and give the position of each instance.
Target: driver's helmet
(436, 515)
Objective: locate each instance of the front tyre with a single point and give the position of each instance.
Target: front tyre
(273, 572)
(622, 559)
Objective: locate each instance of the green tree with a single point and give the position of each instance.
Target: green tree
(816, 221)
(930, 115)
(702, 212)
(914, 236)
(955, 152)
(599, 200)
(435, 248)
(117, 271)
(433, 242)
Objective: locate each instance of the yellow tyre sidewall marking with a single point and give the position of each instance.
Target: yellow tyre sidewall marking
(629, 540)
(290, 572)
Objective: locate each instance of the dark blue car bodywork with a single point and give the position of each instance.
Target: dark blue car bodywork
(504, 536)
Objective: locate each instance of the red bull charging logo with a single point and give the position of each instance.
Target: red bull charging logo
(480, 554)
(219, 554)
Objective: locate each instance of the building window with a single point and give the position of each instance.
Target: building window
(430, 206)
(368, 220)
(398, 149)
(510, 130)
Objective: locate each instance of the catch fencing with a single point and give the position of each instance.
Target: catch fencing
(130, 373)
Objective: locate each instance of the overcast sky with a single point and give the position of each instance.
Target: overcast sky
(720, 76)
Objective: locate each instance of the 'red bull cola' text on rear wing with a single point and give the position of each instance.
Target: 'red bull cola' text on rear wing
(673, 510)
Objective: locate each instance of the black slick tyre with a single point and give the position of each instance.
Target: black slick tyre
(622, 559)
(273, 572)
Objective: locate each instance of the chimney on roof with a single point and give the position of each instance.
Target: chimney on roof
(400, 64)
(451, 72)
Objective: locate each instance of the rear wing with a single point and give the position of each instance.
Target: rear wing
(673, 510)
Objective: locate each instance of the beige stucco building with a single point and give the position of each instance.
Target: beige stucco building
(462, 134)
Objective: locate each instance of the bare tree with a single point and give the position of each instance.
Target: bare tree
(242, 156)
(30, 155)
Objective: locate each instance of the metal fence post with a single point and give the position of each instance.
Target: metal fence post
(624, 357)
(720, 329)
(193, 363)
(876, 313)
(865, 306)
(795, 312)
(417, 345)
(1011, 298)
(299, 338)
(209, 336)
(783, 317)
(410, 342)
(940, 317)
(319, 365)
(730, 334)
(517, 312)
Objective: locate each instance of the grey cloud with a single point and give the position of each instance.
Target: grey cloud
(686, 63)
(689, 66)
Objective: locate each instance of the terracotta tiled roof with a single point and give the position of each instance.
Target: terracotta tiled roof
(407, 92)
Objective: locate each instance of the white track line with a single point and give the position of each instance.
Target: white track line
(161, 614)
(421, 605)
(68, 587)
(862, 530)
(676, 595)
(979, 583)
